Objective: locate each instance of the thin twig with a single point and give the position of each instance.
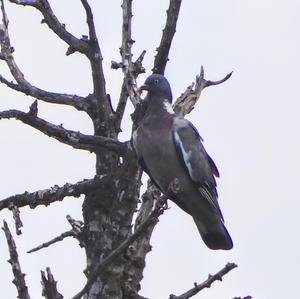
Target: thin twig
(19, 276)
(59, 238)
(163, 50)
(141, 229)
(75, 139)
(75, 232)
(47, 196)
(206, 284)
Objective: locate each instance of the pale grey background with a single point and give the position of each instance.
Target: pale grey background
(250, 125)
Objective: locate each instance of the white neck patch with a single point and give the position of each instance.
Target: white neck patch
(168, 107)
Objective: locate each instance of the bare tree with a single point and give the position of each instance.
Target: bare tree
(115, 245)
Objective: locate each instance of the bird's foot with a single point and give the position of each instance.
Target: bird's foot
(174, 186)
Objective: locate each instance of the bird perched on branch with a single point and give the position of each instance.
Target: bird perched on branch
(169, 148)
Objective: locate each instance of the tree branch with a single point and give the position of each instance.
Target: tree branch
(89, 20)
(47, 196)
(163, 50)
(69, 137)
(127, 42)
(19, 279)
(138, 250)
(75, 232)
(137, 69)
(89, 47)
(206, 284)
(56, 26)
(16, 215)
(95, 55)
(49, 286)
(49, 97)
(59, 238)
(25, 2)
(186, 102)
(157, 210)
(22, 84)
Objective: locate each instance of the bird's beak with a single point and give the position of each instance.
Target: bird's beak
(142, 88)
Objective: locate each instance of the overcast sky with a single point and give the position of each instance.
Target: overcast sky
(250, 125)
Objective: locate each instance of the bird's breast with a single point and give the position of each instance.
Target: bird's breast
(155, 145)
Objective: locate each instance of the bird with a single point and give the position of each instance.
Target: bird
(168, 148)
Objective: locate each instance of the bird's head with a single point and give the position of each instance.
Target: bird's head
(157, 85)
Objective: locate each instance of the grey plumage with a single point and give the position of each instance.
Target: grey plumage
(168, 147)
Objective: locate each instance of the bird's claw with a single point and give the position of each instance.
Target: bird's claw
(175, 186)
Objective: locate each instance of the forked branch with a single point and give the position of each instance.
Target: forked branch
(187, 101)
(22, 85)
(55, 25)
(49, 286)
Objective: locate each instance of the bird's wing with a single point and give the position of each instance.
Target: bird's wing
(198, 163)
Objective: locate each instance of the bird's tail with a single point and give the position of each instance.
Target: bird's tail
(214, 233)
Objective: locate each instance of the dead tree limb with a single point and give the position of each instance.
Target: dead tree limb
(75, 139)
(49, 285)
(76, 232)
(19, 276)
(163, 50)
(127, 42)
(22, 85)
(206, 284)
(47, 196)
(137, 69)
(59, 238)
(187, 101)
(59, 28)
(95, 56)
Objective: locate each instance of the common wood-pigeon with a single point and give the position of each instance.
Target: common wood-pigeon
(169, 147)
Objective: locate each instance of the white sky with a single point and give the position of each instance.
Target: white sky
(250, 125)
